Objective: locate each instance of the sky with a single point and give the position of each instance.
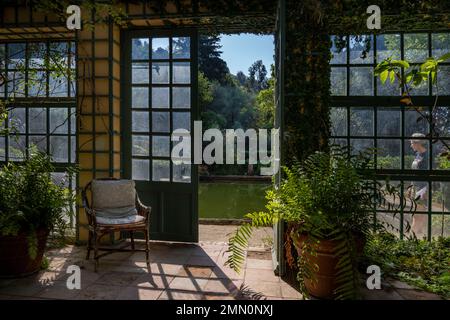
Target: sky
(240, 51)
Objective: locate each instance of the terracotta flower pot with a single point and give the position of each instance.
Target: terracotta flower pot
(324, 283)
(15, 260)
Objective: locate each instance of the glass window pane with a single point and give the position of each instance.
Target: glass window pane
(160, 98)
(37, 83)
(2, 149)
(160, 48)
(16, 84)
(17, 121)
(388, 122)
(73, 150)
(139, 72)
(414, 123)
(140, 169)
(161, 146)
(59, 120)
(140, 48)
(160, 122)
(37, 53)
(139, 97)
(160, 72)
(420, 90)
(2, 55)
(339, 142)
(361, 145)
(416, 47)
(361, 121)
(389, 154)
(73, 121)
(181, 120)
(440, 225)
(182, 173)
(181, 48)
(17, 147)
(37, 120)
(418, 223)
(40, 142)
(442, 121)
(58, 85)
(361, 49)
(440, 44)
(16, 55)
(184, 150)
(441, 196)
(140, 146)
(181, 72)
(440, 159)
(388, 46)
(59, 148)
(338, 118)
(161, 170)
(338, 50)
(181, 97)
(388, 88)
(361, 81)
(417, 154)
(443, 81)
(140, 122)
(338, 81)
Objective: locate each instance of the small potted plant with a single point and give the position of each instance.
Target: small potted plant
(328, 202)
(31, 206)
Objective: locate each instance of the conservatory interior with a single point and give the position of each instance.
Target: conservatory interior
(363, 113)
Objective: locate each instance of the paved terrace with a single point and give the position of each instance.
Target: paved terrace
(178, 271)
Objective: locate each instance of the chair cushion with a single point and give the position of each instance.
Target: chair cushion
(113, 213)
(124, 220)
(113, 194)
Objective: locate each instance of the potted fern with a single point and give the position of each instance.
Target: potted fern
(31, 206)
(328, 201)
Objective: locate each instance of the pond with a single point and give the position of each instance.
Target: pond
(231, 200)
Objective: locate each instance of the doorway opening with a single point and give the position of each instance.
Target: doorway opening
(236, 90)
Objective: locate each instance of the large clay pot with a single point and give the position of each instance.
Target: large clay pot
(15, 260)
(324, 284)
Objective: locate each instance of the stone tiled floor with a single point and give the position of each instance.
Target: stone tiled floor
(177, 271)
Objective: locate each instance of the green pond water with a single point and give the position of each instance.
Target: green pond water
(231, 200)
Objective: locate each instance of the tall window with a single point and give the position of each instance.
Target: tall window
(37, 84)
(368, 114)
(37, 87)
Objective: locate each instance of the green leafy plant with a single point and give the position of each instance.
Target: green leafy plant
(420, 263)
(331, 196)
(30, 200)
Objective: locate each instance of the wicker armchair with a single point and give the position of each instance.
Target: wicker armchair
(133, 220)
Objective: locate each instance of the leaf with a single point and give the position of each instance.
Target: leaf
(444, 57)
(400, 63)
(384, 75)
(392, 76)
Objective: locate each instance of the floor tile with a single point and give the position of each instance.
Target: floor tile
(139, 293)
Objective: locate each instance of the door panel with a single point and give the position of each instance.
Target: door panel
(159, 96)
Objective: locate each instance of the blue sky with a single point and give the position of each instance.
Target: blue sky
(240, 51)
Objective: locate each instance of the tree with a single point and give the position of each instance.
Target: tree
(241, 78)
(257, 76)
(209, 61)
(265, 105)
(205, 93)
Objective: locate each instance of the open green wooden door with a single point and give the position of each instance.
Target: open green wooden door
(159, 90)
(278, 228)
